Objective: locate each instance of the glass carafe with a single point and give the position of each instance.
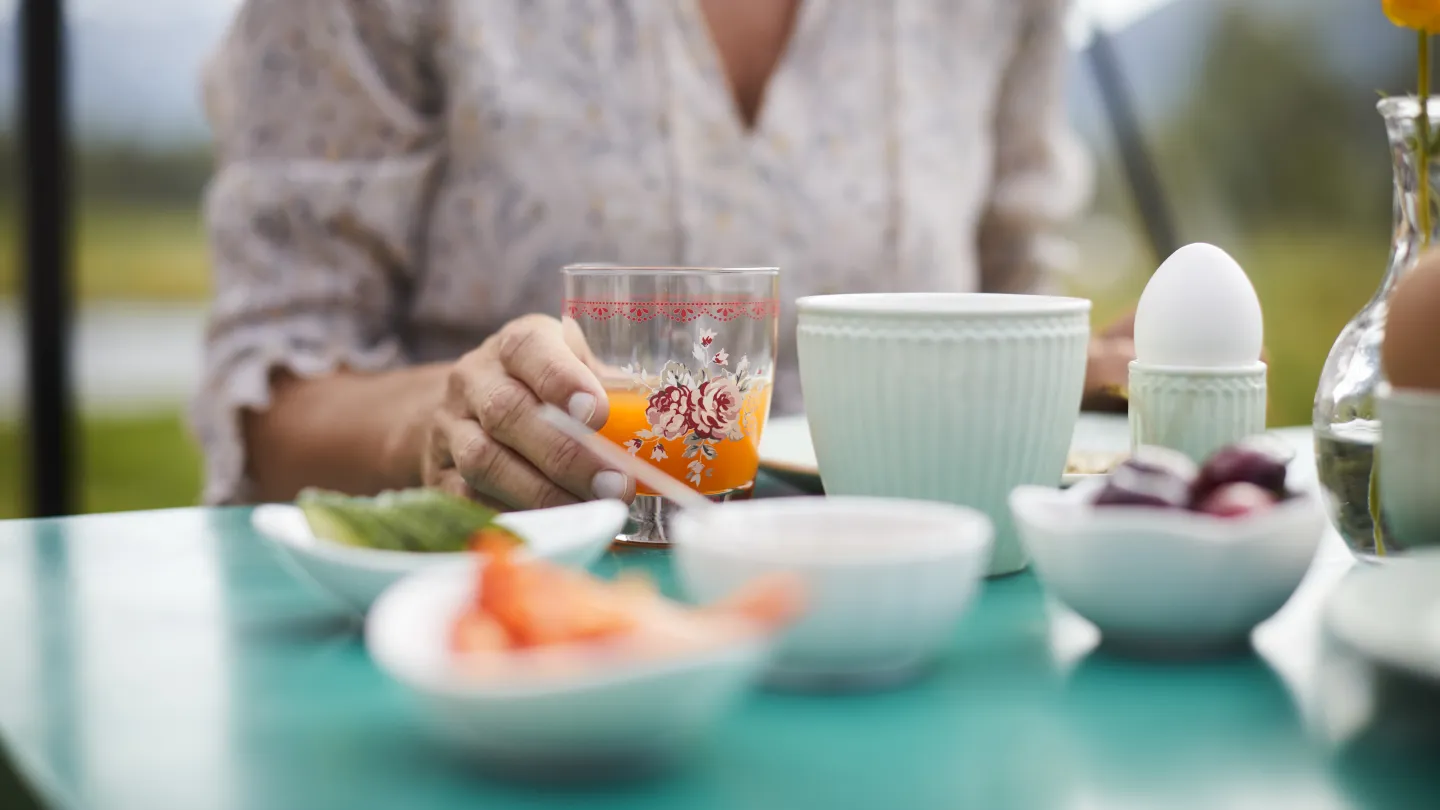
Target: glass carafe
(1347, 427)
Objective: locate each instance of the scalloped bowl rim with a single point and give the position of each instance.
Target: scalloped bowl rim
(944, 304)
(941, 531)
(1148, 575)
(1065, 511)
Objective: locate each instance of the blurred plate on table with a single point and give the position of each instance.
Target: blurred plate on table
(1101, 441)
(1390, 613)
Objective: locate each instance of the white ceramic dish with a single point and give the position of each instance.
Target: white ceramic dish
(1167, 581)
(620, 715)
(886, 580)
(1101, 439)
(1390, 613)
(956, 397)
(573, 536)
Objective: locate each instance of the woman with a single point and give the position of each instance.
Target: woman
(400, 181)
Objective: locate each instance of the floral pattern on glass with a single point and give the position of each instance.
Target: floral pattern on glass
(704, 405)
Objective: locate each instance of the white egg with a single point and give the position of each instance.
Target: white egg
(1199, 310)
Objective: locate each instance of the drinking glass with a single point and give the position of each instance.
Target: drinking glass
(687, 357)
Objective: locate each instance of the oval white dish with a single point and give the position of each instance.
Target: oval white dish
(1100, 441)
(574, 536)
(616, 715)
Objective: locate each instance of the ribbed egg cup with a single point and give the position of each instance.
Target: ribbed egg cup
(1409, 466)
(1195, 411)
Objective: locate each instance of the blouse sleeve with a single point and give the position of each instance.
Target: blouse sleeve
(1041, 174)
(324, 118)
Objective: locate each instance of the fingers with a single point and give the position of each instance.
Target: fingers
(491, 431)
(534, 351)
(1107, 374)
(437, 471)
(1122, 327)
(575, 339)
(508, 413)
(493, 470)
(533, 363)
(451, 482)
(1108, 363)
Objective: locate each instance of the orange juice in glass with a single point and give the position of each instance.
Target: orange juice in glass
(715, 467)
(688, 357)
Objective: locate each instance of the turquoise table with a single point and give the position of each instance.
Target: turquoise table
(166, 661)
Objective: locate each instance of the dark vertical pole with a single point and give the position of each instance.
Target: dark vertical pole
(1139, 168)
(45, 199)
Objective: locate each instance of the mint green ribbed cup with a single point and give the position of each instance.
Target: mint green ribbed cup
(1195, 411)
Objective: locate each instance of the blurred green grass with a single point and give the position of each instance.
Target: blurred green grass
(131, 462)
(137, 253)
(131, 253)
(1310, 283)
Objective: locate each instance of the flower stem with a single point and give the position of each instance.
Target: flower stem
(1423, 122)
(1374, 504)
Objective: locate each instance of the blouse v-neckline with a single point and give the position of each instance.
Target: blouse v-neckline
(704, 49)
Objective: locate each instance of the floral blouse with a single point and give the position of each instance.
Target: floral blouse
(398, 178)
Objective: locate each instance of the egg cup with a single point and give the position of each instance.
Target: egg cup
(1409, 462)
(1195, 411)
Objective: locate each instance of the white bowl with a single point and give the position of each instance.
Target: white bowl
(619, 714)
(944, 397)
(886, 580)
(573, 536)
(1167, 581)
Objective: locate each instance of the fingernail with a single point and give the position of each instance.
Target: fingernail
(582, 407)
(608, 484)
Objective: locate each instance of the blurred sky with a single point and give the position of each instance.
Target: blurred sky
(1108, 14)
(138, 12)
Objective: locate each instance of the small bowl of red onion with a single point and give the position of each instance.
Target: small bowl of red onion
(1169, 558)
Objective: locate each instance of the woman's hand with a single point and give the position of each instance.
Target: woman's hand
(1107, 374)
(487, 440)
(1107, 368)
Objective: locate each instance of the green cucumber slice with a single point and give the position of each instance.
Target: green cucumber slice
(420, 519)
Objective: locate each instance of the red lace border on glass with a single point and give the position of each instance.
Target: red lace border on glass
(680, 311)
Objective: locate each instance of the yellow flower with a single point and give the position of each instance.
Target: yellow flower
(1422, 15)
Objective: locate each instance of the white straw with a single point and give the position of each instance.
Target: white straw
(611, 453)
